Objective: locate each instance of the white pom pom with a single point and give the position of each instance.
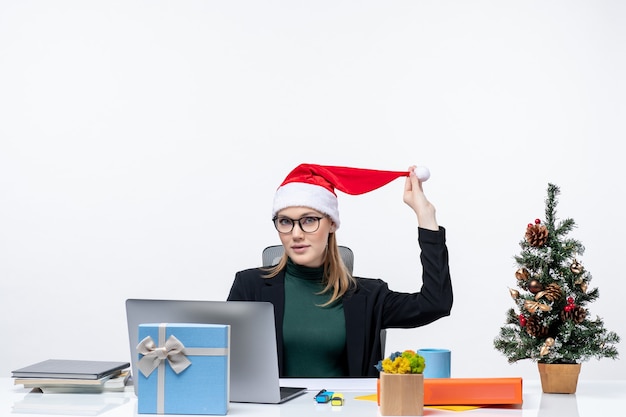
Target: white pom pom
(422, 173)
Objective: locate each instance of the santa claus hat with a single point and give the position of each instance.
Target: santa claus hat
(314, 186)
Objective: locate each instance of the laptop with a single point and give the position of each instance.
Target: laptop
(253, 355)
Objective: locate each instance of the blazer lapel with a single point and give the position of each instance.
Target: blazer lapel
(354, 310)
(273, 290)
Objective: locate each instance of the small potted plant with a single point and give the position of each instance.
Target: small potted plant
(551, 324)
(402, 384)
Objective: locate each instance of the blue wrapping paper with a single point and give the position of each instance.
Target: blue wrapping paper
(201, 386)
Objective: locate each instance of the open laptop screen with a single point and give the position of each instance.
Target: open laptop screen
(253, 355)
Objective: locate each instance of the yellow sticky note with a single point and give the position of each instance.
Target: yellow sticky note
(454, 407)
(371, 397)
(374, 397)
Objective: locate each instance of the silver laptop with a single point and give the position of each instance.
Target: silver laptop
(253, 355)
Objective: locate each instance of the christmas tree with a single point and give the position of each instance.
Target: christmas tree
(552, 323)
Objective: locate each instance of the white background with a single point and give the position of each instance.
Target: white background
(141, 143)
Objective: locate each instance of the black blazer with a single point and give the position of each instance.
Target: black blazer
(370, 307)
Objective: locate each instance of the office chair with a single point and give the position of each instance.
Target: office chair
(271, 256)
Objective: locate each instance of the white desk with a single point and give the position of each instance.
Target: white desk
(592, 399)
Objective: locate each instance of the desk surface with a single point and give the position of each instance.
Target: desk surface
(592, 399)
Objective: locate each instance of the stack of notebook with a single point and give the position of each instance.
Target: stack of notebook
(67, 375)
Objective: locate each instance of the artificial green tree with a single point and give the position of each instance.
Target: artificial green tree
(552, 323)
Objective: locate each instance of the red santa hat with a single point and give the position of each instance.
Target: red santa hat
(313, 186)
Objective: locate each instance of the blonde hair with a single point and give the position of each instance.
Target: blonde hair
(337, 279)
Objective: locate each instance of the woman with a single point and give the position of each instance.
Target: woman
(328, 323)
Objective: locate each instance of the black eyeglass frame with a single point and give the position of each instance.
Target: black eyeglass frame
(299, 221)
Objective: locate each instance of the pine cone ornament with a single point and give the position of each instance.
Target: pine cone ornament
(577, 314)
(535, 327)
(536, 235)
(552, 292)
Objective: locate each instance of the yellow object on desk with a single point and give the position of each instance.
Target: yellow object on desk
(374, 397)
(337, 399)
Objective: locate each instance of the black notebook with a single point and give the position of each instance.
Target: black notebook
(70, 368)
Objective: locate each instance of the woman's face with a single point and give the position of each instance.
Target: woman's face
(305, 248)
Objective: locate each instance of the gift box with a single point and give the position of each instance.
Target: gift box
(183, 368)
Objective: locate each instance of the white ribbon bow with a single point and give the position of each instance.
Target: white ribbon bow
(173, 350)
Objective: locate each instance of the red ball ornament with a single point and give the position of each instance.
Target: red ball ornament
(537, 221)
(529, 225)
(570, 300)
(522, 320)
(568, 308)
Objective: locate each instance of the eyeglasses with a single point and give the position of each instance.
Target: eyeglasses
(308, 224)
